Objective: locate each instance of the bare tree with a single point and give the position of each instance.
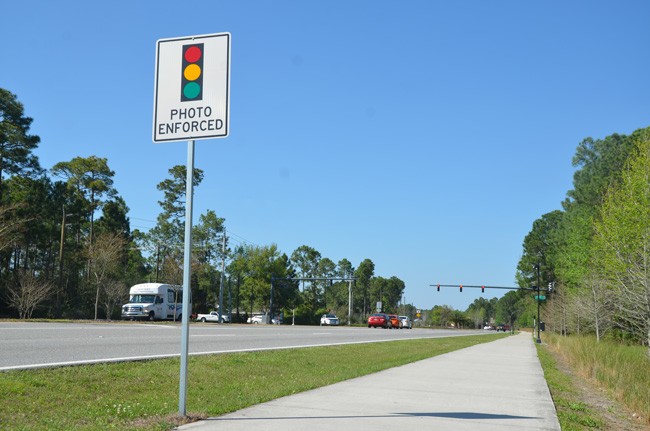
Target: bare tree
(105, 258)
(11, 226)
(600, 304)
(115, 292)
(172, 268)
(633, 294)
(28, 294)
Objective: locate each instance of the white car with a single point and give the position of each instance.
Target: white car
(329, 320)
(256, 319)
(213, 316)
(406, 322)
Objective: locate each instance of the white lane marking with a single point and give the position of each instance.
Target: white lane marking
(175, 355)
(212, 335)
(88, 326)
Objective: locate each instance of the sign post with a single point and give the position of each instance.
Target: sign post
(187, 279)
(191, 101)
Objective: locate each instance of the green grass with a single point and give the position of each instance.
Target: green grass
(623, 370)
(144, 395)
(571, 412)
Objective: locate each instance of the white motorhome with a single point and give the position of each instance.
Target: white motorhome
(154, 301)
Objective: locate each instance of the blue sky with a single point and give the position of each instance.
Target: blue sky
(424, 135)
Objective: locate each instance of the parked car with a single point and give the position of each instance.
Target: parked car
(256, 319)
(329, 319)
(406, 322)
(379, 320)
(395, 321)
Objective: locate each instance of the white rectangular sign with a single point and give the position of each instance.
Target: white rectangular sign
(192, 88)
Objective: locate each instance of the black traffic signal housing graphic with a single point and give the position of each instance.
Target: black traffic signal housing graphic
(192, 73)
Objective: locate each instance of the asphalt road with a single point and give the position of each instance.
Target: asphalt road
(28, 345)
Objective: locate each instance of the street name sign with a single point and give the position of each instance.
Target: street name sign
(192, 88)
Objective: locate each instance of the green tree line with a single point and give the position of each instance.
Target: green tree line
(594, 253)
(509, 310)
(67, 249)
(596, 250)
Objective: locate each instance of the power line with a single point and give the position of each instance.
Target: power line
(234, 237)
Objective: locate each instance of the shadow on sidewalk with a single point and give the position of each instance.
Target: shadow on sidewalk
(450, 415)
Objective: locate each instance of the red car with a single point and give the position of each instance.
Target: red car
(379, 319)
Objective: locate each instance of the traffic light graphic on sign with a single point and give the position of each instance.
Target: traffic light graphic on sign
(192, 73)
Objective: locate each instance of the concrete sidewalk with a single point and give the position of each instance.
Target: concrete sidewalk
(494, 386)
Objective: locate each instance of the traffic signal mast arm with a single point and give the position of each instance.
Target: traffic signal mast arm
(461, 286)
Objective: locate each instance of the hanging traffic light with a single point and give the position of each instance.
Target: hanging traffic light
(438, 288)
(192, 73)
(482, 289)
(461, 288)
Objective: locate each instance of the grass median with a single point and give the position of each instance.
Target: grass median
(144, 395)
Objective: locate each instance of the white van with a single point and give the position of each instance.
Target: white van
(154, 301)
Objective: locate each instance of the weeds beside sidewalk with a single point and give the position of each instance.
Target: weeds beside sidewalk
(597, 385)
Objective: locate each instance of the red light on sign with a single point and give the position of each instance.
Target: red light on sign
(193, 54)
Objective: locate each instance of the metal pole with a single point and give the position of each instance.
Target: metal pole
(271, 303)
(59, 292)
(61, 248)
(223, 269)
(229, 300)
(539, 339)
(349, 302)
(158, 260)
(187, 277)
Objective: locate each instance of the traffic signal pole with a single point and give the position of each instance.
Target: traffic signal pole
(533, 288)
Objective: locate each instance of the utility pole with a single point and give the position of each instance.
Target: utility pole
(60, 290)
(271, 303)
(539, 339)
(349, 302)
(158, 261)
(229, 300)
(223, 269)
